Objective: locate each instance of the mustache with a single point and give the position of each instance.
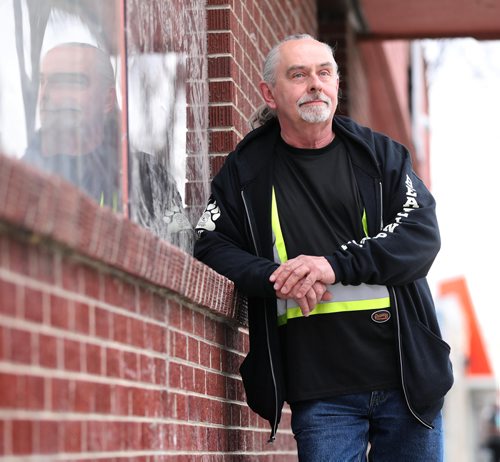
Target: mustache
(314, 97)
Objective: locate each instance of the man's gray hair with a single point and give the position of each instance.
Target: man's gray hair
(264, 113)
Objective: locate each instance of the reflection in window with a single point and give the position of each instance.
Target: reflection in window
(64, 102)
(78, 136)
(157, 140)
(166, 77)
(63, 108)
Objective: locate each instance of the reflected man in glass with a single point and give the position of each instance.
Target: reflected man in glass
(79, 121)
(79, 140)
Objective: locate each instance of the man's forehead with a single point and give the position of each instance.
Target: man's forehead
(305, 52)
(68, 59)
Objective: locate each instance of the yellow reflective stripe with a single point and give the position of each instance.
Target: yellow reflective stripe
(336, 307)
(364, 220)
(275, 221)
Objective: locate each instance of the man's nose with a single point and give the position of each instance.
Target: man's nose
(315, 83)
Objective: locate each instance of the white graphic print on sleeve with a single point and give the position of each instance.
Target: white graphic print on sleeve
(209, 217)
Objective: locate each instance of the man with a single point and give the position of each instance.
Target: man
(79, 139)
(325, 227)
(79, 121)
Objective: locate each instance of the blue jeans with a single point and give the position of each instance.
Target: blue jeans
(345, 428)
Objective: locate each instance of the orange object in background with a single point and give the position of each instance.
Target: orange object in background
(478, 359)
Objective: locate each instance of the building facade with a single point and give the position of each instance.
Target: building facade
(115, 344)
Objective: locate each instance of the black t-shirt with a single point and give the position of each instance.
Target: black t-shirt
(320, 208)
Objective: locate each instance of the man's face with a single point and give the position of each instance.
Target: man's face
(306, 87)
(71, 101)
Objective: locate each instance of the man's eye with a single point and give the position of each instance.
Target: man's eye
(69, 79)
(298, 75)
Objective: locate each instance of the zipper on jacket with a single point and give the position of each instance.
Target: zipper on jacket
(381, 205)
(274, 427)
(398, 328)
(400, 350)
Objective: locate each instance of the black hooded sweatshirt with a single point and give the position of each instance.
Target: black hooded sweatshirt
(235, 239)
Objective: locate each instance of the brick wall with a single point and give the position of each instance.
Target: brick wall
(240, 34)
(115, 345)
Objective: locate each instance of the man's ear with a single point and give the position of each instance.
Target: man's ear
(267, 94)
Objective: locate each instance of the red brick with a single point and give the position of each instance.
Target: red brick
(222, 92)
(139, 401)
(61, 395)
(23, 435)
(93, 357)
(21, 346)
(120, 400)
(174, 314)
(218, 20)
(19, 257)
(144, 297)
(182, 407)
(120, 328)
(72, 355)
(130, 365)
(70, 275)
(81, 313)
(12, 395)
(220, 116)
(187, 320)
(102, 323)
(136, 333)
(155, 337)
(33, 305)
(146, 369)
(129, 296)
(220, 67)
(113, 363)
(72, 439)
(102, 398)
(59, 312)
(216, 385)
(8, 299)
(34, 389)
(5, 436)
(47, 351)
(50, 436)
(204, 354)
(174, 375)
(200, 381)
(91, 282)
(96, 432)
(113, 290)
(4, 343)
(215, 357)
(84, 396)
(149, 438)
(160, 371)
(219, 42)
(159, 308)
(187, 378)
(216, 163)
(193, 350)
(133, 436)
(178, 345)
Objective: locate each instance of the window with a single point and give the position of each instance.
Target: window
(111, 96)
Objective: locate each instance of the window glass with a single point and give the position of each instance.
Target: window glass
(167, 107)
(112, 96)
(59, 94)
